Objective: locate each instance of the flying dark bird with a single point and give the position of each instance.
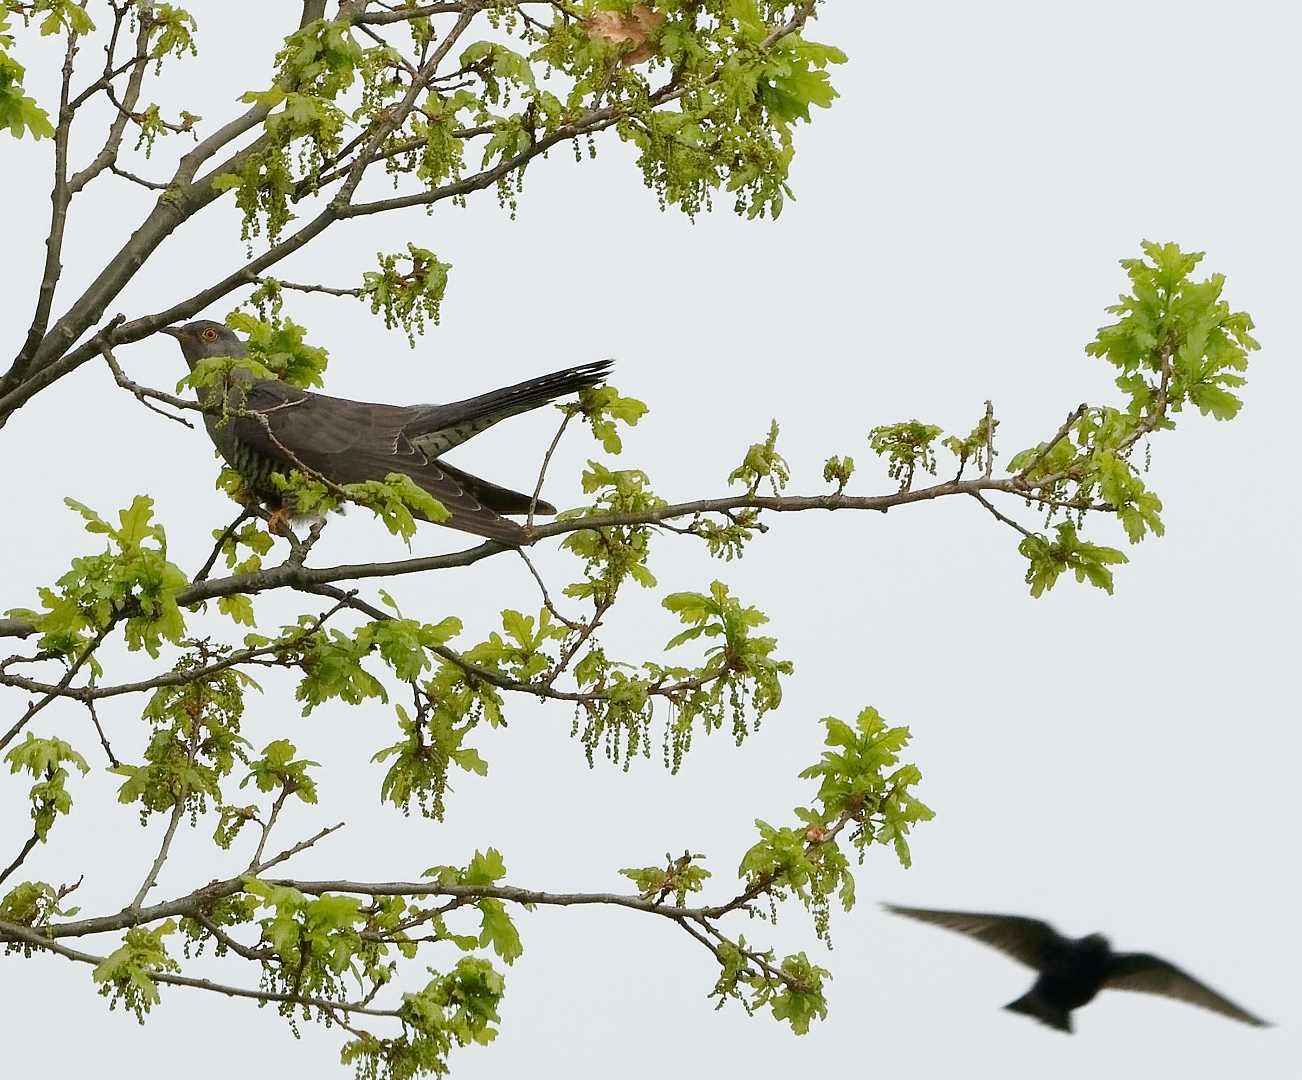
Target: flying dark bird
(1073, 970)
(271, 426)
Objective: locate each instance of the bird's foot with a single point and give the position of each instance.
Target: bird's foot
(278, 522)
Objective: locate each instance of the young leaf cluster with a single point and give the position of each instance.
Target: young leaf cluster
(859, 790)
(195, 739)
(906, 447)
(126, 975)
(132, 582)
(677, 877)
(407, 299)
(44, 759)
(19, 113)
(454, 1009)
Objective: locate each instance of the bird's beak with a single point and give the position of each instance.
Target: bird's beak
(171, 331)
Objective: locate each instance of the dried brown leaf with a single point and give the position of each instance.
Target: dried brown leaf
(632, 31)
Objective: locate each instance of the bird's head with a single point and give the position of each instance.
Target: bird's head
(205, 338)
(1097, 943)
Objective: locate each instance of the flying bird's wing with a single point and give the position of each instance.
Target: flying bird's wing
(1153, 975)
(1029, 941)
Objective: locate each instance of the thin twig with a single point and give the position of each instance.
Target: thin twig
(991, 424)
(103, 739)
(27, 935)
(310, 288)
(108, 155)
(57, 689)
(547, 600)
(260, 415)
(586, 630)
(300, 549)
(266, 828)
(259, 955)
(143, 393)
(152, 185)
(402, 61)
(227, 534)
(27, 847)
(1001, 517)
(542, 472)
(302, 845)
(152, 877)
(791, 25)
(1061, 434)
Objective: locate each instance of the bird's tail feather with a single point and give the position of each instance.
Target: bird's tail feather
(475, 504)
(500, 500)
(1031, 1004)
(510, 400)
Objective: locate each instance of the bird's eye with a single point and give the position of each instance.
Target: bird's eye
(210, 334)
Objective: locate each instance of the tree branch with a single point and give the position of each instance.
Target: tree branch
(26, 935)
(1000, 517)
(27, 847)
(143, 393)
(151, 185)
(313, 288)
(1061, 434)
(542, 472)
(107, 157)
(245, 514)
(103, 739)
(381, 18)
(44, 363)
(36, 368)
(59, 689)
(60, 196)
(152, 877)
(87, 694)
(266, 828)
(312, 11)
(791, 26)
(309, 579)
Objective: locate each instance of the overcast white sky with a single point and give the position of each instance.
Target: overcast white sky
(1125, 764)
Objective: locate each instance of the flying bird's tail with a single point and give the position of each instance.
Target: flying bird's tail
(438, 428)
(1031, 1004)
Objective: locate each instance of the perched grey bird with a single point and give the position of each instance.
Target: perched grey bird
(1073, 970)
(274, 427)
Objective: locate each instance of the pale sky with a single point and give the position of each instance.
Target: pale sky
(1124, 764)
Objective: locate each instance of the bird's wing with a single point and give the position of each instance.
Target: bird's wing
(349, 442)
(470, 503)
(438, 428)
(1029, 941)
(1152, 975)
(316, 424)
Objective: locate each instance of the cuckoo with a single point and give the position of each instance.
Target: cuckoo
(1073, 970)
(269, 426)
